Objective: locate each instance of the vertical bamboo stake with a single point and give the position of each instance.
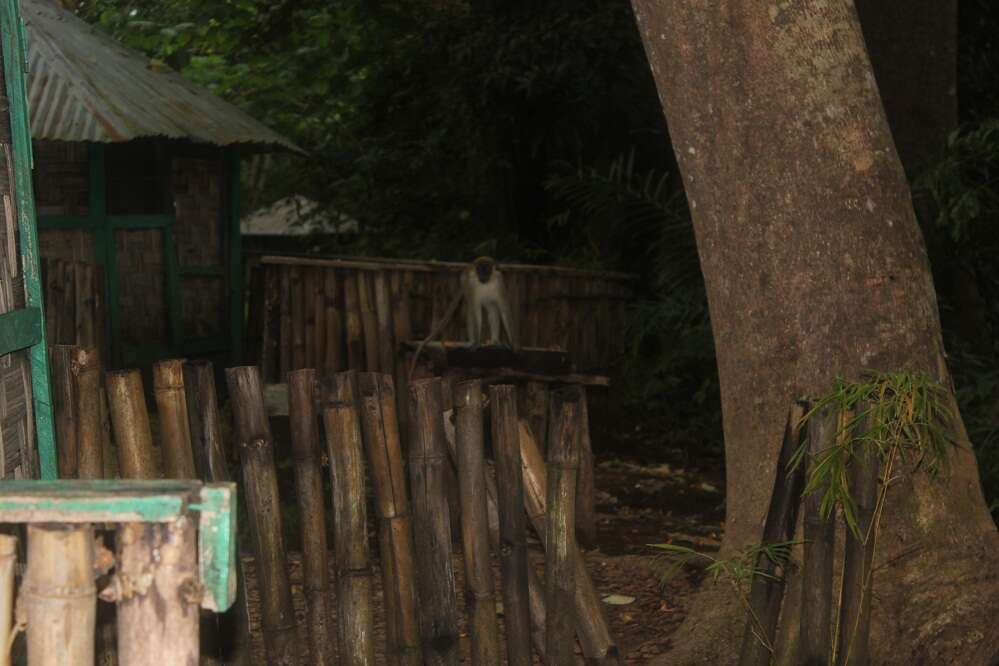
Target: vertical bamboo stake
(64, 408)
(334, 327)
(108, 455)
(233, 627)
(381, 439)
(369, 321)
(256, 452)
(8, 560)
(594, 636)
(560, 554)
(766, 594)
(432, 524)
(586, 512)
(309, 317)
(513, 526)
(85, 305)
(319, 318)
(175, 429)
(284, 336)
(537, 398)
(855, 610)
(816, 599)
(402, 329)
(386, 337)
(479, 589)
(312, 509)
(355, 620)
(297, 287)
(269, 332)
(130, 422)
(59, 596)
(158, 617)
(355, 332)
(87, 391)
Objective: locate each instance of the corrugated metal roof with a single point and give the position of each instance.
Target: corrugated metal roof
(84, 86)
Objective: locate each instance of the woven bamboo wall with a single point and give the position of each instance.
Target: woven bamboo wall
(74, 303)
(325, 313)
(60, 178)
(142, 303)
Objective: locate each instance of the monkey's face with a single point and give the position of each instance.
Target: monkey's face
(483, 269)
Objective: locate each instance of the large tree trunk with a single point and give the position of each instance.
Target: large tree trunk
(815, 268)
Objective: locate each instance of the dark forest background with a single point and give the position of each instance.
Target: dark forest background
(531, 131)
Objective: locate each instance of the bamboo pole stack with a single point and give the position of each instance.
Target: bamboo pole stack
(175, 428)
(64, 409)
(130, 421)
(87, 395)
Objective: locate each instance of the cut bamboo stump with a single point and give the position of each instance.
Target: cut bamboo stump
(479, 589)
(175, 429)
(432, 524)
(8, 562)
(369, 321)
(228, 635)
(312, 510)
(297, 319)
(536, 411)
(256, 452)
(204, 422)
(858, 573)
(87, 392)
(354, 328)
(59, 596)
(594, 636)
(381, 439)
(130, 421)
(159, 593)
(64, 408)
(383, 313)
(355, 619)
(817, 572)
(766, 595)
(567, 408)
(512, 524)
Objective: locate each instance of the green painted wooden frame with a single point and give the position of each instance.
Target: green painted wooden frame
(15, 62)
(144, 502)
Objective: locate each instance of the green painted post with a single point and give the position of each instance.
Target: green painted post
(235, 257)
(15, 61)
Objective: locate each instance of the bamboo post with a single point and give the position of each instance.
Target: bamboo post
(59, 596)
(432, 524)
(513, 526)
(381, 439)
(318, 306)
(175, 429)
(256, 452)
(766, 594)
(309, 317)
(64, 409)
(108, 455)
(355, 331)
(204, 422)
(268, 335)
(535, 588)
(536, 408)
(312, 510)
(479, 589)
(333, 360)
(158, 608)
(817, 573)
(297, 319)
(855, 609)
(8, 562)
(355, 620)
(130, 421)
(85, 333)
(586, 512)
(402, 329)
(369, 321)
(594, 636)
(386, 337)
(284, 327)
(87, 392)
(560, 555)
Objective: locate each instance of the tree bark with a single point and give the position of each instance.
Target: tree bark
(814, 268)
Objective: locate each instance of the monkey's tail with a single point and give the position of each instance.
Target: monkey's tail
(434, 332)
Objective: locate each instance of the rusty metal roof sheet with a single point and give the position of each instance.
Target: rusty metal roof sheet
(84, 86)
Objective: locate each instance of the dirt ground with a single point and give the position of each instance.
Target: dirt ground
(654, 496)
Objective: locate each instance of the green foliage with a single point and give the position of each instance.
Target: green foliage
(977, 380)
(898, 417)
(740, 569)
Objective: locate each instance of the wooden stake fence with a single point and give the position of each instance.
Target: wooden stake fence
(130, 421)
(87, 394)
(175, 428)
(64, 409)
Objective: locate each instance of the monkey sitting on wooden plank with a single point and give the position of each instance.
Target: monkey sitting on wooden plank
(482, 288)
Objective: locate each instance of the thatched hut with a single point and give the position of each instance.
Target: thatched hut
(137, 196)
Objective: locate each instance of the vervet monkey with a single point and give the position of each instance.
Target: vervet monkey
(482, 287)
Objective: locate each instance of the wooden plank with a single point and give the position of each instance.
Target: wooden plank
(95, 501)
